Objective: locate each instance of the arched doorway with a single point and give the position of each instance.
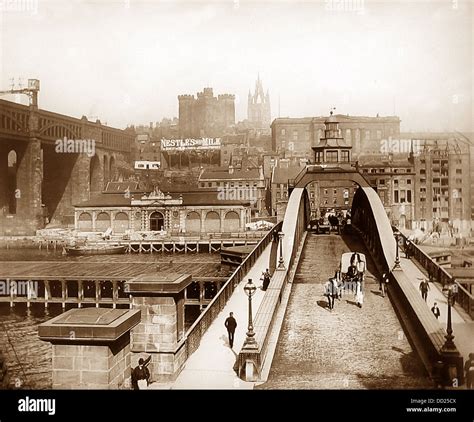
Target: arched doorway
(85, 222)
(157, 221)
(231, 222)
(102, 222)
(120, 222)
(212, 223)
(94, 175)
(193, 222)
(12, 183)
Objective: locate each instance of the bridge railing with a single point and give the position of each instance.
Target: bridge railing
(194, 334)
(252, 355)
(426, 334)
(439, 274)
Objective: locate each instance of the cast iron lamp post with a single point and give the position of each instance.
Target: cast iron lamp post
(281, 262)
(250, 290)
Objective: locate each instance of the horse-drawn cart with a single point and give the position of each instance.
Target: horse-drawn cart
(352, 266)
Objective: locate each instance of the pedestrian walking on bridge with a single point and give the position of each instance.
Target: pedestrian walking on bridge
(424, 287)
(330, 291)
(266, 280)
(384, 284)
(435, 310)
(231, 325)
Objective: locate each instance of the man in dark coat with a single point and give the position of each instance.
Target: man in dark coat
(424, 287)
(266, 280)
(435, 310)
(141, 372)
(231, 325)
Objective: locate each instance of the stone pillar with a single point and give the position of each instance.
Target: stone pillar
(29, 188)
(91, 347)
(160, 331)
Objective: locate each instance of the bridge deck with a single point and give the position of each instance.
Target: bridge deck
(348, 347)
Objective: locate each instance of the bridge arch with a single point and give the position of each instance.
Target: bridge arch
(367, 211)
(59, 131)
(369, 216)
(315, 173)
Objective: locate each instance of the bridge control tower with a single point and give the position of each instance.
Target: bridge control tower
(332, 150)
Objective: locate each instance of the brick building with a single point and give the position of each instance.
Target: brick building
(443, 193)
(206, 115)
(296, 136)
(231, 183)
(394, 181)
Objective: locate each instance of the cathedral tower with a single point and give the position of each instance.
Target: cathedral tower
(258, 111)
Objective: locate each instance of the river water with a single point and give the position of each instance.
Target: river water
(29, 359)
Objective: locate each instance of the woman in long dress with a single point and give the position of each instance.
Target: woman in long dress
(359, 294)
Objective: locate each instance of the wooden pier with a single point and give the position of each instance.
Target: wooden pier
(97, 283)
(212, 242)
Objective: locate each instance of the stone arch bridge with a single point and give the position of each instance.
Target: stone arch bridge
(41, 178)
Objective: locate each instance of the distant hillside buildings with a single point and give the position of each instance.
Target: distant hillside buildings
(296, 136)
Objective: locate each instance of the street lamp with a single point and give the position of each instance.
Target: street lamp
(250, 290)
(281, 262)
(397, 257)
(449, 345)
(452, 359)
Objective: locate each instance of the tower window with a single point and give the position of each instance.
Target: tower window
(331, 156)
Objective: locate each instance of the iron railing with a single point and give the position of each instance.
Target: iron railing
(194, 334)
(439, 274)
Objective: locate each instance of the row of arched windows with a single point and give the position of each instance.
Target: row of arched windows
(211, 222)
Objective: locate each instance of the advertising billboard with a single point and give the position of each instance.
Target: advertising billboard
(190, 144)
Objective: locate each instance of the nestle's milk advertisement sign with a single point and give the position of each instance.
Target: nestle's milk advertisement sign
(190, 144)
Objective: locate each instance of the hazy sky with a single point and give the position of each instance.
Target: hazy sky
(126, 61)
